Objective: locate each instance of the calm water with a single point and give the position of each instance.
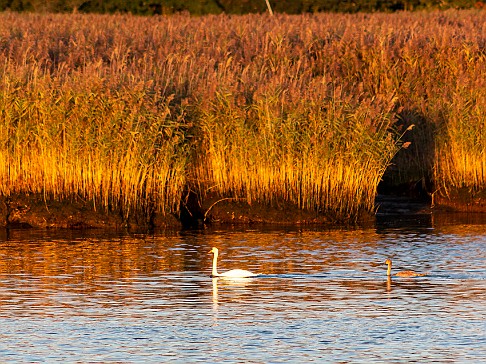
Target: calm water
(323, 296)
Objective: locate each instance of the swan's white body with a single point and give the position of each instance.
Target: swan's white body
(234, 273)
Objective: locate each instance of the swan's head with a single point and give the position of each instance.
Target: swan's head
(388, 262)
(214, 250)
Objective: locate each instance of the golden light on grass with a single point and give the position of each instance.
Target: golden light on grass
(461, 149)
(326, 157)
(111, 151)
(129, 114)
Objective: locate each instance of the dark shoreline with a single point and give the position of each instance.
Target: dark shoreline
(35, 212)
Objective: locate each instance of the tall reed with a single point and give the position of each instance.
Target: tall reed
(121, 152)
(307, 110)
(461, 148)
(327, 157)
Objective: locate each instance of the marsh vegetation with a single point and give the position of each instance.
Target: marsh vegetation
(130, 113)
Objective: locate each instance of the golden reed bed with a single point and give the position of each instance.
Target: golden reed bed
(130, 113)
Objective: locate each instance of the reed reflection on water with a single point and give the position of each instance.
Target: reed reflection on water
(322, 295)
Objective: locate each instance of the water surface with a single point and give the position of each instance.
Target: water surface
(323, 296)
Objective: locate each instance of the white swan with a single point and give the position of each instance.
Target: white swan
(234, 273)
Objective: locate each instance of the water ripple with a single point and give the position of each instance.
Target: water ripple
(321, 296)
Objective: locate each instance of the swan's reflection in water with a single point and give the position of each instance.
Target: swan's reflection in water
(234, 286)
(232, 292)
(215, 294)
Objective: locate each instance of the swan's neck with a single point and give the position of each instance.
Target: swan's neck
(215, 264)
(388, 271)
